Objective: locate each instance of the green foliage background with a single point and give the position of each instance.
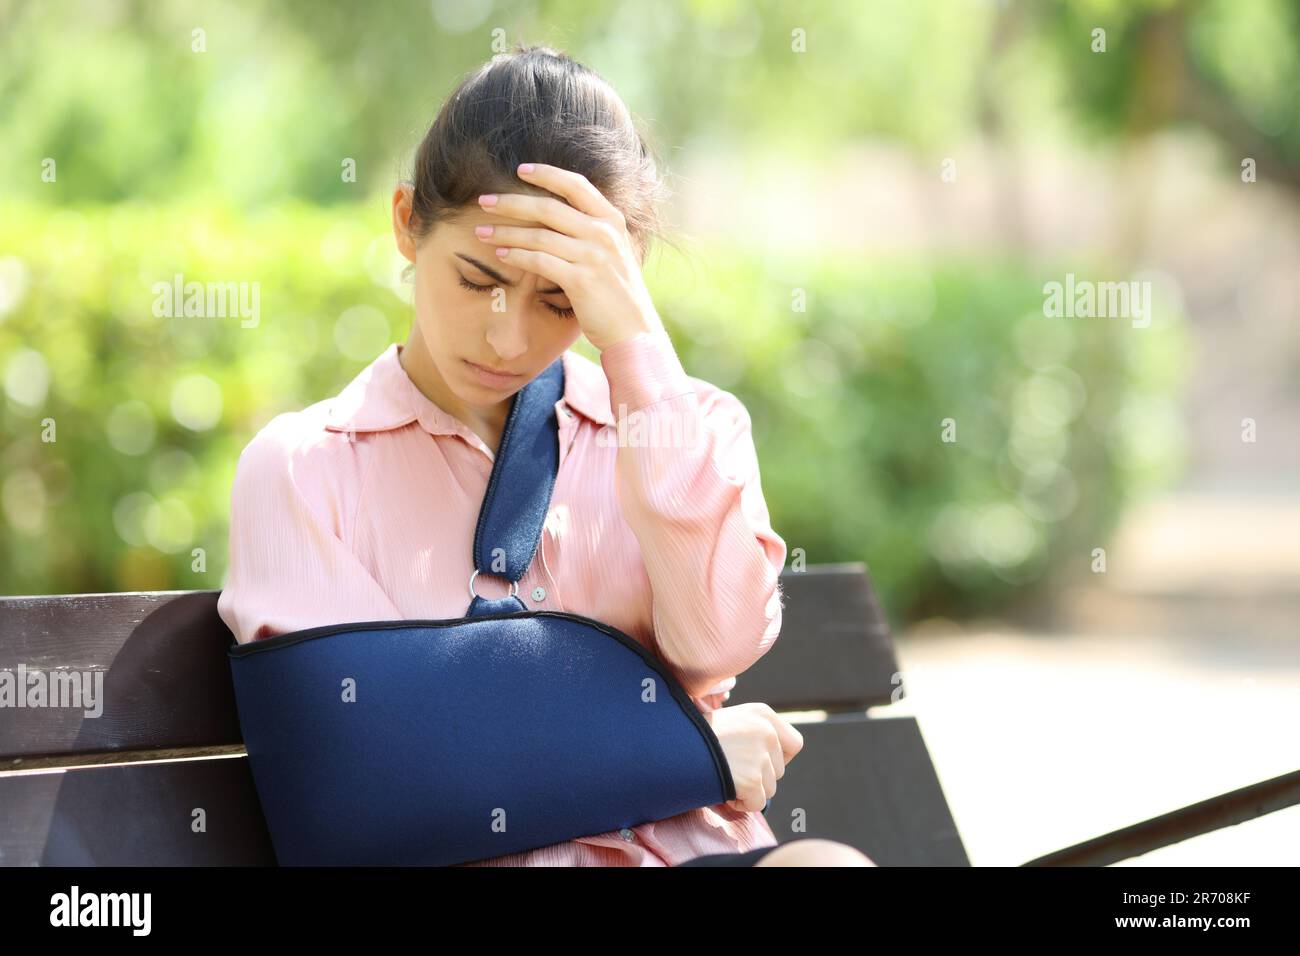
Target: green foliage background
(848, 394)
(224, 166)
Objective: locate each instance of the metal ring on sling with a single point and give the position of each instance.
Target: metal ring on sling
(514, 586)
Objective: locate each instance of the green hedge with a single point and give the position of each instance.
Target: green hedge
(848, 367)
(1059, 421)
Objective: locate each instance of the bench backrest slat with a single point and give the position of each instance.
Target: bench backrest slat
(868, 782)
(166, 680)
(141, 814)
(835, 651)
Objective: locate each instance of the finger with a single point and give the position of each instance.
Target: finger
(777, 758)
(544, 240)
(563, 273)
(573, 186)
(547, 210)
(752, 795)
(790, 739)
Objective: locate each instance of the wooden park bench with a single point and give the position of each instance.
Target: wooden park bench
(123, 788)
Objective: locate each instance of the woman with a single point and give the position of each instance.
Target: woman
(363, 507)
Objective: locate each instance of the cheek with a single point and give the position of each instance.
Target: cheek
(445, 311)
(546, 347)
(562, 334)
(426, 296)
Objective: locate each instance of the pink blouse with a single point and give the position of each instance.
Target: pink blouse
(363, 508)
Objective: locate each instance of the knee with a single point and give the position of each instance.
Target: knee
(815, 852)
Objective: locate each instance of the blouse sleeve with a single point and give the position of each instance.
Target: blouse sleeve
(288, 567)
(688, 486)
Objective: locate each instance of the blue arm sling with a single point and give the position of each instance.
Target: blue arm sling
(437, 742)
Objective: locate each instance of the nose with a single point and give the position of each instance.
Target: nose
(507, 334)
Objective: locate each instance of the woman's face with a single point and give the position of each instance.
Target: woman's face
(509, 324)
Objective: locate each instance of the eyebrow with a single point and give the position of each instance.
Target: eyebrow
(499, 277)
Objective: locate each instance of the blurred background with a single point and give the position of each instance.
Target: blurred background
(1085, 529)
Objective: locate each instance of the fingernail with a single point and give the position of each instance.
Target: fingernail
(525, 167)
(488, 199)
(483, 231)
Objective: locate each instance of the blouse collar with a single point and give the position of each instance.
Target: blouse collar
(382, 396)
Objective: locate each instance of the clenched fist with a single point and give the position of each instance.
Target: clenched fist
(758, 743)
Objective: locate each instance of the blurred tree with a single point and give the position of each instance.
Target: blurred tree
(1230, 67)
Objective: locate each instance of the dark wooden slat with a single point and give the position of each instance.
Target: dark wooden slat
(868, 782)
(166, 677)
(1237, 806)
(134, 814)
(835, 651)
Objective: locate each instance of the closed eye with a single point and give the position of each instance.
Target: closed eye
(562, 313)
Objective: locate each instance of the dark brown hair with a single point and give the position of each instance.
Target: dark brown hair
(535, 104)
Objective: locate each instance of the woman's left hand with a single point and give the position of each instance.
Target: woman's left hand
(586, 251)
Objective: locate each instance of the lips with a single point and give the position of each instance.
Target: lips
(504, 373)
(495, 380)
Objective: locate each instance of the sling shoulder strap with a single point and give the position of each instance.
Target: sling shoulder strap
(518, 494)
